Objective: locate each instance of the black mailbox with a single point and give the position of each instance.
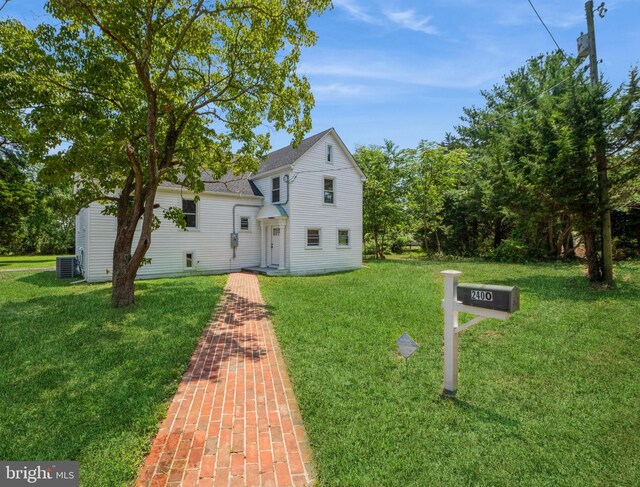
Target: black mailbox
(500, 298)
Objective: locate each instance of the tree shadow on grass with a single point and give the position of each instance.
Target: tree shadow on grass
(80, 380)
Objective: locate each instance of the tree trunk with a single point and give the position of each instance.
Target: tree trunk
(497, 233)
(593, 263)
(122, 285)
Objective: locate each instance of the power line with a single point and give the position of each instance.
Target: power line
(550, 34)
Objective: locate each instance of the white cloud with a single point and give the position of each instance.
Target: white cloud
(436, 73)
(515, 15)
(356, 11)
(338, 90)
(409, 20)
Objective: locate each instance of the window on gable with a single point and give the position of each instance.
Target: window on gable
(189, 208)
(313, 237)
(275, 190)
(329, 153)
(343, 237)
(329, 191)
(244, 223)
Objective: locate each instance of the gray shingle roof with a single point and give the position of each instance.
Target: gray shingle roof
(229, 183)
(241, 183)
(288, 155)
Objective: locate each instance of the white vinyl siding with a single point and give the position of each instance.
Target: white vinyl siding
(82, 238)
(210, 245)
(310, 212)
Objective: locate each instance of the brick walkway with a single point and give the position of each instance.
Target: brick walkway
(234, 420)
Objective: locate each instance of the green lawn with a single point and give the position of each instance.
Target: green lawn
(27, 262)
(82, 381)
(550, 397)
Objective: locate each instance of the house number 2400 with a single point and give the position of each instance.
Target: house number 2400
(482, 295)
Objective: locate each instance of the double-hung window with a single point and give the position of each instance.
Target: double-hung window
(313, 238)
(343, 237)
(189, 209)
(275, 190)
(329, 191)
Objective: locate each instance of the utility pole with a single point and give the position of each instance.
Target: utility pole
(601, 153)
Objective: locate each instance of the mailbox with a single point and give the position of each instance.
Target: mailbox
(500, 298)
(234, 240)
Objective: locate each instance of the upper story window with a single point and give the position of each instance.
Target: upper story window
(189, 208)
(244, 223)
(329, 191)
(329, 154)
(275, 190)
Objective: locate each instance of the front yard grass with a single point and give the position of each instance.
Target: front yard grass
(27, 262)
(550, 397)
(80, 380)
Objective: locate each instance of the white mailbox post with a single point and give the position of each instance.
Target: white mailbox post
(485, 299)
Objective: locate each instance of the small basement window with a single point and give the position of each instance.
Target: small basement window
(189, 260)
(329, 154)
(244, 223)
(189, 209)
(313, 238)
(343, 237)
(329, 191)
(275, 190)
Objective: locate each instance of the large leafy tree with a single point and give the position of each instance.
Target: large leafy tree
(433, 171)
(538, 133)
(146, 91)
(17, 196)
(383, 193)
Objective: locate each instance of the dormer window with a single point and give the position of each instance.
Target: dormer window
(329, 154)
(275, 190)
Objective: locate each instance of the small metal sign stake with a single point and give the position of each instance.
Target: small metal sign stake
(484, 301)
(406, 347)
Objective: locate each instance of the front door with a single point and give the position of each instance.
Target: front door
(275, 246)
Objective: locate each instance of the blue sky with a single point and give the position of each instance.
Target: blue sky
(403, 70)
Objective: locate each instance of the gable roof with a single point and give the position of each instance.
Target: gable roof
(241, 184)
(288, 155)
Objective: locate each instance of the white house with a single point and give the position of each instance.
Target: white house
(301, 213)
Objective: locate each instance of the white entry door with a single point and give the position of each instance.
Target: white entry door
(276, 242)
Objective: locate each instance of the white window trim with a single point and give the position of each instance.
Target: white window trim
(306, 238)
(248, 230)
(197, 227)
(279, 189)
(342, 229)
(329, 154)
(335, 190)
(194, 262)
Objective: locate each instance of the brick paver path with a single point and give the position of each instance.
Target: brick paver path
(234, 420)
